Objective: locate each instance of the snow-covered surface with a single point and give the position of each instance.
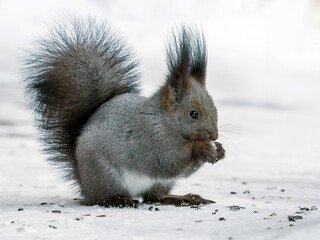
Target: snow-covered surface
(264, 74)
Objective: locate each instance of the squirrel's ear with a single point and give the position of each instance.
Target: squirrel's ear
(172, 92)
(186, 59)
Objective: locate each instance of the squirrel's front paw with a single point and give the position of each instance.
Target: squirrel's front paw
(207, 152)
(220, 152)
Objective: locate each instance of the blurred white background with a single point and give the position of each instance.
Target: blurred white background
(264, 50)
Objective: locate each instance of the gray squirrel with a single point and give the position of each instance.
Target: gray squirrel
(116, 145)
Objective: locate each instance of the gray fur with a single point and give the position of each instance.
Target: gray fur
(151, 141)
(84, 90)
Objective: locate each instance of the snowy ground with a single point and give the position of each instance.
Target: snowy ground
(264, 72)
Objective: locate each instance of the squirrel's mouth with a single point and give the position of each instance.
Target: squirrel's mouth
(208, 137)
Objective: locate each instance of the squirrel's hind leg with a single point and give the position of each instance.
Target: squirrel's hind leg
(120, 202)
(159, 193)
(156, 192)
(184, 200)
(102, 185)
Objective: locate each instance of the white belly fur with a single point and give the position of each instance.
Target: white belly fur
(137, 184)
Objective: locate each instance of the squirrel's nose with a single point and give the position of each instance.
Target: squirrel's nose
(214, 136)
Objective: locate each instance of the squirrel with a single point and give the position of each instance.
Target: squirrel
(82, 82)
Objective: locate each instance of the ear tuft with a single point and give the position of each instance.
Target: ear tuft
(186, 59)
(199, 60)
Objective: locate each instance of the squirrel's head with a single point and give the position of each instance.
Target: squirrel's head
(184, 96)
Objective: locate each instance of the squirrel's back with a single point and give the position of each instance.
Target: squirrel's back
(69, 74)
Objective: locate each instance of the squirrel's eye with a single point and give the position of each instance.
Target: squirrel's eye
(194, 114)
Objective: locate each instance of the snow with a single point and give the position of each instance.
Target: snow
(263, 72)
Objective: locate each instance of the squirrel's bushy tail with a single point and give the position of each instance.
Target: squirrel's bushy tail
(80, 65)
